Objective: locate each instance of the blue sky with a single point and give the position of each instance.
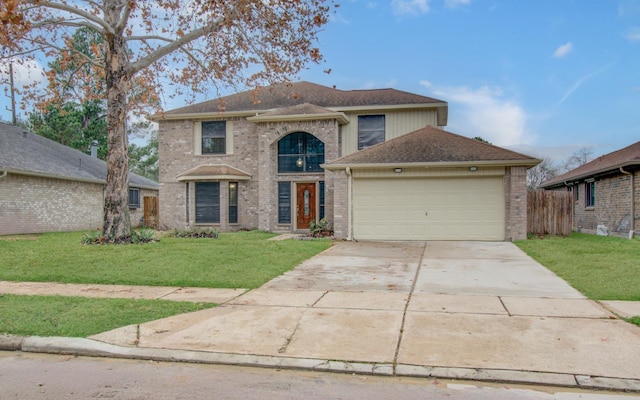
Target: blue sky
(543, 77)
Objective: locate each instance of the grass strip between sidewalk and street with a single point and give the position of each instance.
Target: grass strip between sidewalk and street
(80, 316)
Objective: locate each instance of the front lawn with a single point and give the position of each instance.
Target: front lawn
(602, 268)
(235, 260)
(79, 316)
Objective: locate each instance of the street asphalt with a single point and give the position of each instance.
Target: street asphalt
(464, 310)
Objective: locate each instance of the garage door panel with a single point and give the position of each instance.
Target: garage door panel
(429, 209)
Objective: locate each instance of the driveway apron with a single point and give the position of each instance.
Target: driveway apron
(411, 305)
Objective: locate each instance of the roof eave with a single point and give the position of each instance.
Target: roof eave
(339, 116)
(494, 163)
(50, 176)
(441, 106)
(223, 177)
(373, 107)
(586, 175)
(67, 178)
(205, 115)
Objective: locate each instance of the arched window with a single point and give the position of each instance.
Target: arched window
(300, 152)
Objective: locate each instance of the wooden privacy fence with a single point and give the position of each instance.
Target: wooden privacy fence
(151, 211)
(549, 212)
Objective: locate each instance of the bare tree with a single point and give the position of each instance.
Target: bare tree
(544, 171)
(190, 45)
(579, 157)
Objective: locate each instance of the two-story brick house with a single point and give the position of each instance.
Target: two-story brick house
(292, 154)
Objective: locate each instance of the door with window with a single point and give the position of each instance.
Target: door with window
(305, 204)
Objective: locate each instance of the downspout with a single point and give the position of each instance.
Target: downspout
(349, 195)
(633, 202)
(573, 203)
(3, 174)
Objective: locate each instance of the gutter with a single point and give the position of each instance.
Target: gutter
(595, 173)
(633, 202)
(452, 164)
(4, 174)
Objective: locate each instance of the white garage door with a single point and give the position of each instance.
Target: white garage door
(429, 209)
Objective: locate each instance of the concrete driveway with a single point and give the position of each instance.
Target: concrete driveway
(449, 309)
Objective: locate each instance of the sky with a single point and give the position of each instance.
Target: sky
(543, 77)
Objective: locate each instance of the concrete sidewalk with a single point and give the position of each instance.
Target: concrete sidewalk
(445, 309)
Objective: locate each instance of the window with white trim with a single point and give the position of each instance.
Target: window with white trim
(214, 137)
(371, 130)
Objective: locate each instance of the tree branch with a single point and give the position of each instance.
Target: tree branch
(172, 46)
(63, 22)
(73, 11)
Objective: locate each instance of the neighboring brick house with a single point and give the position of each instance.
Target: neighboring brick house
(606, 191)
(48, 187)
(374, 163)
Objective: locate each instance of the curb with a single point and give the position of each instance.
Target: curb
(93, 348)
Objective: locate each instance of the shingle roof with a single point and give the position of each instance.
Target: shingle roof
(627, 156)
(213, 171)
(30, 154)
(281, 96)
(432, 145)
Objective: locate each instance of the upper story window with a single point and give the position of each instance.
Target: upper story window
(300, 152)
(589, 194)
(370, 130)
(214, 137)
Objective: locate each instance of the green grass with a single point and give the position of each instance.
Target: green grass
(602, 268)
(235, 260)
(81, 317)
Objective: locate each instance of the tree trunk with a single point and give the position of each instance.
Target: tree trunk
(117, 225)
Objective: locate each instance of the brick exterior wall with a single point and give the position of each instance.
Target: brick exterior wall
(340, 204)
(515, 202)
(33, 205)
(30, 204)
(136, 215)
(612, 205)
(255, 151)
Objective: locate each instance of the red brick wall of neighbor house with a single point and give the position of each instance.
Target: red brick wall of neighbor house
(515, 202)
(34, 205)
(612, 205)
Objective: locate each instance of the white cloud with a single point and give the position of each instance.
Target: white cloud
(579, 83)
(456, 3)
(25, 72)
(410, 6)
(633, 34)
(486, 113)
(563, 50)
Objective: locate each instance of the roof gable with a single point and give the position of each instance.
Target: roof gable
(30, 154)
(435, 146)
(629, 155)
